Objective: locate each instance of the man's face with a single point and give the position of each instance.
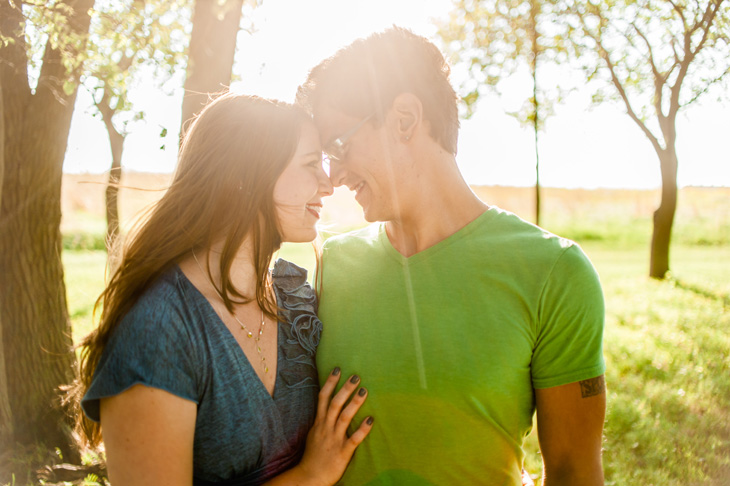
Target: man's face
(366, 160)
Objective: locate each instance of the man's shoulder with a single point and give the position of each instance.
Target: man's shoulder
(510, 230)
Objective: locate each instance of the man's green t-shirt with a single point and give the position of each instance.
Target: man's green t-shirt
(451, 341)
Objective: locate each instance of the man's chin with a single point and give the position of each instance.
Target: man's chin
(369, 214)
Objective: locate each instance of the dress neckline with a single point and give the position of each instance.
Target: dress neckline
(231, 339)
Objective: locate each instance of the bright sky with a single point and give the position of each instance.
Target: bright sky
(579, 147)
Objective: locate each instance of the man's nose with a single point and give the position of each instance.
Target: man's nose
(337, 173)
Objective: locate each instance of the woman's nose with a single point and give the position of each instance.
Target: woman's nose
(325, 185)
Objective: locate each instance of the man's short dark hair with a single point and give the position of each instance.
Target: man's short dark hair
(365, 77)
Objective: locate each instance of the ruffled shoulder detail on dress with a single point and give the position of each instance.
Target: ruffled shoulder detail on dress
(287, 275)
(299, 322)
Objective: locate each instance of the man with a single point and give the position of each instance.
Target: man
(462, 319)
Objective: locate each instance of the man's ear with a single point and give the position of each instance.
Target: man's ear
(408, 111)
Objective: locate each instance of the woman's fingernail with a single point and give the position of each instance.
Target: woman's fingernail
(354, 379)
(369, 420)
(336, 371)
(362, 392)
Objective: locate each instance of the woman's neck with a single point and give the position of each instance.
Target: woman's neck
(204, 266)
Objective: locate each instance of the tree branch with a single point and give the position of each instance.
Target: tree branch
(677, 60)
(617, 82)
(107, 112)
(13, 57)
(707, 87)
(126, 62)
(707, 19)
(705, 23)
(659, 78)
(654, 69)
(679, 10)
(54, 73)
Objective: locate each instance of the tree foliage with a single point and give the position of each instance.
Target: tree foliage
(495, 39)
(653, 56)
(130, 40)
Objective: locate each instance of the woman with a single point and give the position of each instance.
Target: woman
(202, 368)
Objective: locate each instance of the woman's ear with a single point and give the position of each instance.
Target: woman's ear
(408, 111)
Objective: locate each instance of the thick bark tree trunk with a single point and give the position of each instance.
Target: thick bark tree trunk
(6, 421)
(664, 215)
(36, 329)
(211, 53)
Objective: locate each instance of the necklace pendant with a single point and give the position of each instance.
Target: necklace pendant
(249, 334)
(266, 369)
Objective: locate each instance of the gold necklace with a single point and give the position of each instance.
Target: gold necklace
(249, 334)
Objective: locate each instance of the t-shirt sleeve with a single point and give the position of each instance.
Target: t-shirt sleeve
(571, 317)
(150, 346)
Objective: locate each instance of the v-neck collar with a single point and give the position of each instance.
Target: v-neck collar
(231, 341)
(426, 254)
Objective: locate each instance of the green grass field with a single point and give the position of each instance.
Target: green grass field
(667, 349)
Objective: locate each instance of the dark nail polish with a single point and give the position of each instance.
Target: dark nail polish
(362, 392)
(336, 371)
(369, 420)
(354, 379)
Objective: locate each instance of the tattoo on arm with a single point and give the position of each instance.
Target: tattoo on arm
(594, 386)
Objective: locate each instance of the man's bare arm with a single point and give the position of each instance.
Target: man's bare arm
(570, 430)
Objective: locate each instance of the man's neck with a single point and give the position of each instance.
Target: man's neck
(443, 204)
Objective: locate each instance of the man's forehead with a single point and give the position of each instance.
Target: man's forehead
(330, 122)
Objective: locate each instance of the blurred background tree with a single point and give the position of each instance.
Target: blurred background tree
(130, 42)
(212, 49)
(655, 57)
(493, 40)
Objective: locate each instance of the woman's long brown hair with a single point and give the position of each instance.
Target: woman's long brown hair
(230, 160)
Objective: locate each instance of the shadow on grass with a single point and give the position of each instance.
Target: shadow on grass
(720, 297)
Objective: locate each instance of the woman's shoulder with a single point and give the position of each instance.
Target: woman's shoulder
(166, 302)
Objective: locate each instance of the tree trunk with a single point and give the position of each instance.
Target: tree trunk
(112, 203)
(211, 53)
(6, 422)
(664, 215)
(534, 8)
(116, 141)
(36, 329)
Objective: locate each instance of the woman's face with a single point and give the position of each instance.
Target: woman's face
(299, 190)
